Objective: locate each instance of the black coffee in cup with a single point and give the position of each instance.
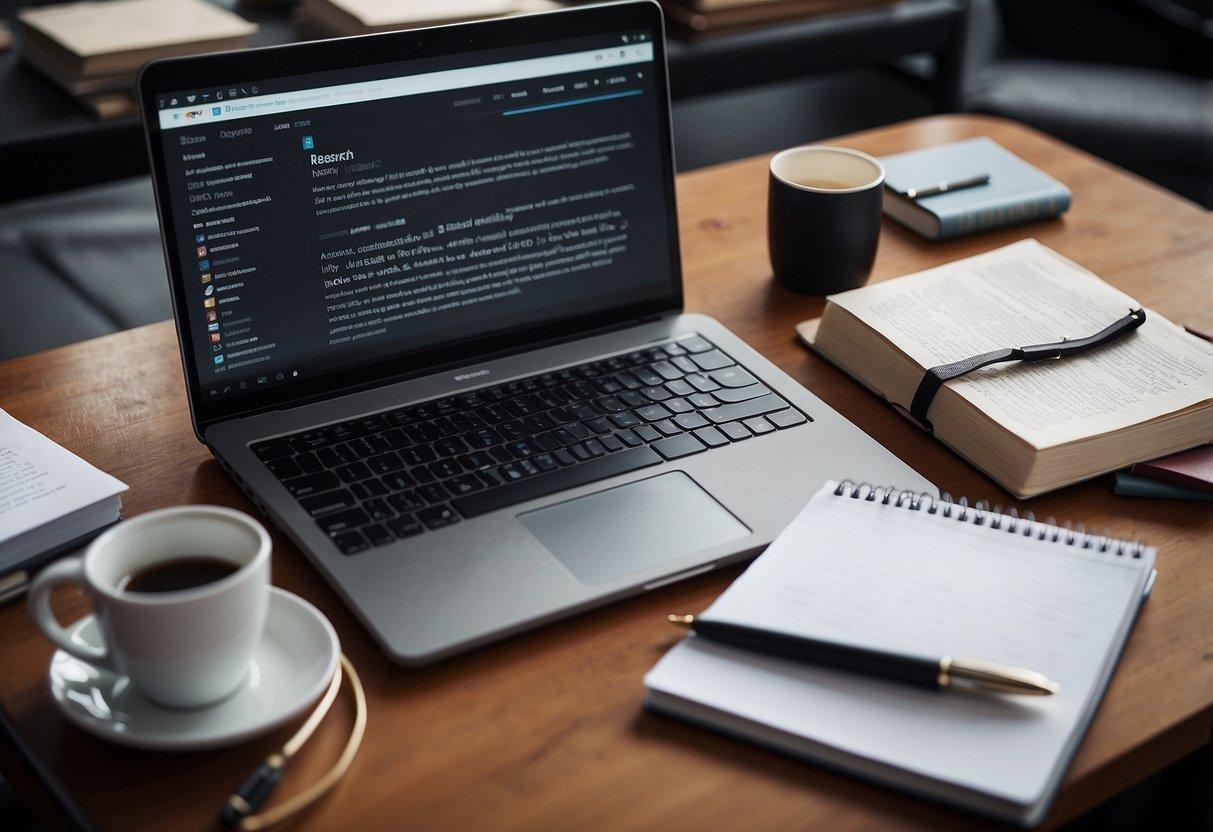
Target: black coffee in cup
(186, 572)
(823, 218)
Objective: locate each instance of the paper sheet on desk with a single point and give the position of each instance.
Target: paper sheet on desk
(41, 481)
(1026, 293)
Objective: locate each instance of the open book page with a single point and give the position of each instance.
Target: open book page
(1024, 294)
(890, 578)
(41, 481)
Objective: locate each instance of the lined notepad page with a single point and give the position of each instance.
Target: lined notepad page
(892, 578)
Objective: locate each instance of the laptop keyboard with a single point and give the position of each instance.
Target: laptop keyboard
(376, 479)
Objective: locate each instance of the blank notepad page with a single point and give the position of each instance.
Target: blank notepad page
(907, 580)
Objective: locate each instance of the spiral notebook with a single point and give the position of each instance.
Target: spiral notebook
(933, 577)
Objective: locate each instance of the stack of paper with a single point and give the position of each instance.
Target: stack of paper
(94, 49)
(360, 17)
(51, 501)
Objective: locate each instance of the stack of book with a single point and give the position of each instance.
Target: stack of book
(1185, 476)
(702, 18)
(359, 17)
(94, 49)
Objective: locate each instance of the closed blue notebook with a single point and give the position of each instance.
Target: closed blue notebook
(1017, 192)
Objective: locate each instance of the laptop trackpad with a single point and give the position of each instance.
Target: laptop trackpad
(633, 527)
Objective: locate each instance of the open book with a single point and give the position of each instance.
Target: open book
(51, 502)
(1033, 427)
(910, 574)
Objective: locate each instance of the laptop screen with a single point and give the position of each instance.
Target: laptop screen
(323, 221)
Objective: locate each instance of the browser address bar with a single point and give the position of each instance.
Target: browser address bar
(450, 79)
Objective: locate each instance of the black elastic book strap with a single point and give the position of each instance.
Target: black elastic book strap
(936, 377)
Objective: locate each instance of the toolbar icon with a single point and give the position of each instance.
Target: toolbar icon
(218, 360)
(212, 316)
(216, 337)
(205, 279)
(204, 265)
(201, 251)
(209, 303)
(309, 143)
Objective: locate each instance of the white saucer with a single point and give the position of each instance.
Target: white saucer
(291, 666)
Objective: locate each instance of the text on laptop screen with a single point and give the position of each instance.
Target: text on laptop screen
(328, 220)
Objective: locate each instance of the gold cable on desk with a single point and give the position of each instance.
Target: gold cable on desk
(237, 812)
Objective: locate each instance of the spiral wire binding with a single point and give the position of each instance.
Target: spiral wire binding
(980, 513)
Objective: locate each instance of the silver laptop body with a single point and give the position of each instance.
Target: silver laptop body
(476, 488)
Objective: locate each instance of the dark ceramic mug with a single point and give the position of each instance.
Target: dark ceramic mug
(823, 218)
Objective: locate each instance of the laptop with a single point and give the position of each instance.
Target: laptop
(428, 296)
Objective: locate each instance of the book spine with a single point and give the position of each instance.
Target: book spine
(1041, 206)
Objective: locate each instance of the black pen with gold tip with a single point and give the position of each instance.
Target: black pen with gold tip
(946, 673)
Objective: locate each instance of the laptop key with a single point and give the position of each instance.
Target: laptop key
(312, 483)
(378, 534)
(450, 446)
(398, 480)
(653, 413)
(787, 418)
(695, 343)
(419, 455)
(679, 446)
(354, 472)
(378, 509)
(406, 526)
(547, 462)
(438, 516)
(610, 443)
(668, 371)
(735, 431)
(431, 492)
(711, 437)
(629, 438)
(755, 407)
(274, 448)
(284, 468)
(309, 463)
(563, 457)
(713, 360)
(598, 426)
(648, 433)
(367, 489)
(463, 484)
(680, 388)
(732, 377)
(351, 543)
(703, 400)
(329, 501)
(685, 364)
(625, 420)
(405, 501)
(556, 481)
(759, 425)
(690, 421)
(679, 406)
(732, 395)
(385, 463)
(656, 394)
(667, 427)
(339, 521)
(702, 383)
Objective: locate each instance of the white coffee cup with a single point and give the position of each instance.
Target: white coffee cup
(185, 648)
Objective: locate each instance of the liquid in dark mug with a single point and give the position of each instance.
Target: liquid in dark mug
(823, 218)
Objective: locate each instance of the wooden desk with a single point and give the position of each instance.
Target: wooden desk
(545, 731)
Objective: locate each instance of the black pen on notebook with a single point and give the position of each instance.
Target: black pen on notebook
(946, 673)
(945, 186)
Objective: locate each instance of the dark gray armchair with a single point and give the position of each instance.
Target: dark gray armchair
(1128, 80)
